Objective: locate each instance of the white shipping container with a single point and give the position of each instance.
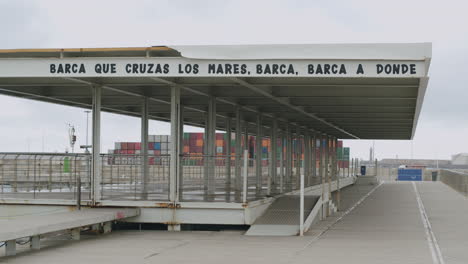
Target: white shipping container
(157, 138)
(164, 145)
(152, 138)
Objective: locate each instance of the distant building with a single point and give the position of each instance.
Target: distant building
(429, 163)
(460, 159)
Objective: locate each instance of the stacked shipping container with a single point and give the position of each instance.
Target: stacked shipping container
(193, 146)
(342, 155)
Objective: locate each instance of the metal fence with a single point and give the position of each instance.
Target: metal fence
(123, 178)
(44, 176)
(227, 178)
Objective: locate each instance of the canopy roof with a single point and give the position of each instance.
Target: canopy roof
(367, 91)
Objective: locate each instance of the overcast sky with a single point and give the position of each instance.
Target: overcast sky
(442, 129)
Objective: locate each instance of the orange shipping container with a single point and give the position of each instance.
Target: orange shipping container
(199, 142)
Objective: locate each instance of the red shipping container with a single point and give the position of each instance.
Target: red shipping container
(138, 146)
(131, 151)
(157, 152)
(340, 143)
(131, 146)
(151, 145)
(124, 145)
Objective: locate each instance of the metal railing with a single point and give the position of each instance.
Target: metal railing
(44, 176)
(219, 178)
(123, 179)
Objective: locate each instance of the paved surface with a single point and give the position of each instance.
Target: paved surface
(282, 217)
(25, 226)
(385, 228)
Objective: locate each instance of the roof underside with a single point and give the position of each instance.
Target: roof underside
(366, 108)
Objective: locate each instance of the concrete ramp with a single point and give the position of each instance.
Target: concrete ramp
(282, 217)
(34, 226)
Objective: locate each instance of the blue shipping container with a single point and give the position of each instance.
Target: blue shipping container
(157, 145)
(410, 174)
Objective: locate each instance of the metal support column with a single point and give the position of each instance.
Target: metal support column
(180, 179)
(298, 154)
(211, 150)
(322, 172)
(281, 165)
(239, 153)
(96, 141)
(258, 156)
(205, 157)
(144, 147)
(306, 157)
(314, 157)
(228, 158)
(273, 153)
(288, 174)
(246, 135)
(175, 143)
(338, 187)
(327, 171)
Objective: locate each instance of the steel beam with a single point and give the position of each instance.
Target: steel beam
(286, 103)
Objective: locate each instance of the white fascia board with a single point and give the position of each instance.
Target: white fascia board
(356, 51)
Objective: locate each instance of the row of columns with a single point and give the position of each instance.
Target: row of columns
(281, 172)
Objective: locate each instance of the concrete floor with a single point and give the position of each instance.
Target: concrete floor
(385, 228)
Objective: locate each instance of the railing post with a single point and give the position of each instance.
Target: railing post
(246, 164)
(78, 193)
(50, 175)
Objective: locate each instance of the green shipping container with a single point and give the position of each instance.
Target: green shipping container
(66, 165)
(346, 154)
(339, 153)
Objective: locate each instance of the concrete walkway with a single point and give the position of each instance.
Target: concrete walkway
(386, 227)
